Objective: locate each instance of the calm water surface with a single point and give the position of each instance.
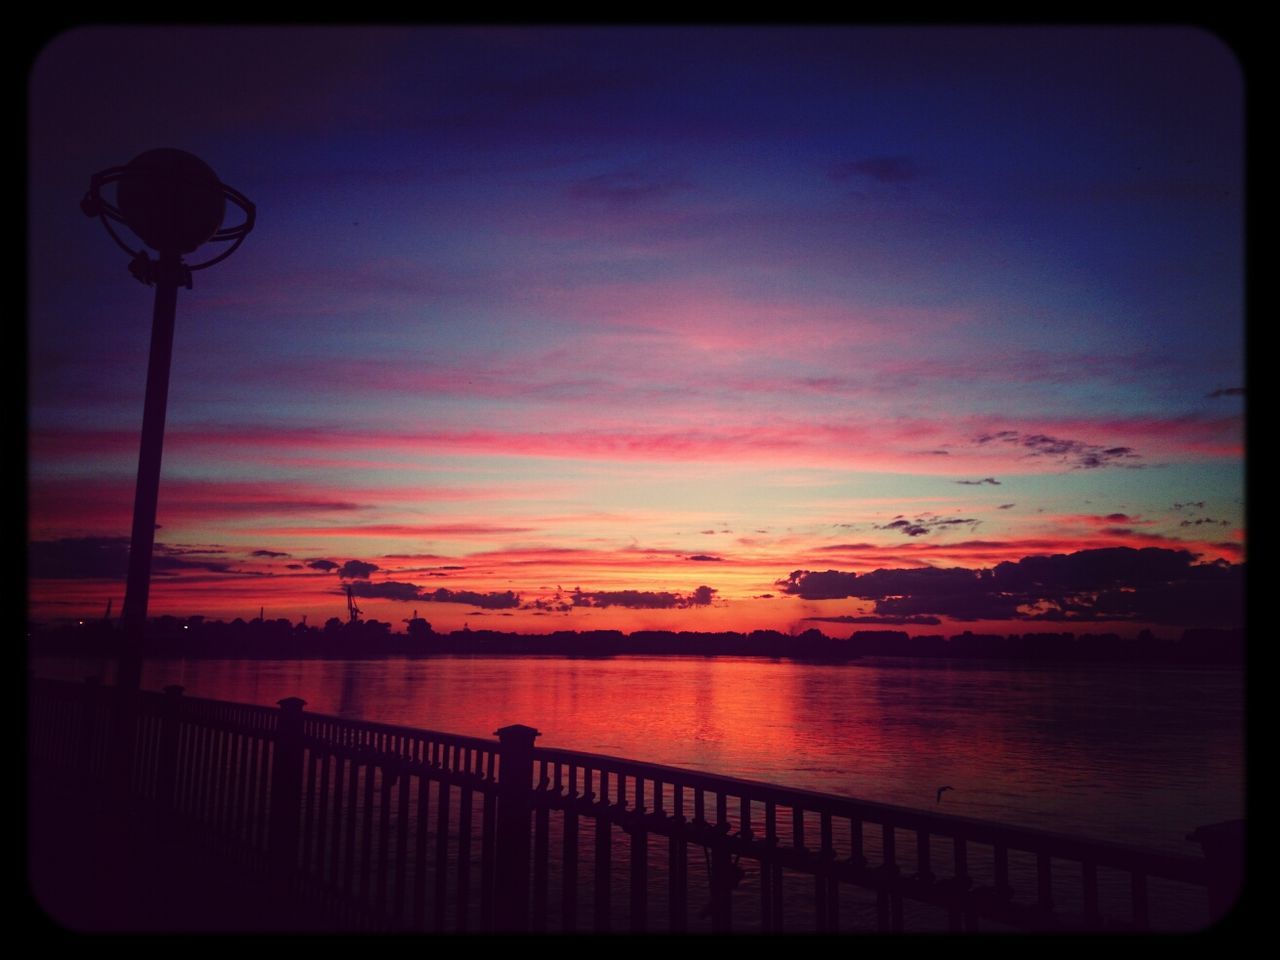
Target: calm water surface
(1136, 755)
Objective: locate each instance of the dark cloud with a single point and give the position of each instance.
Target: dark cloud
(922, 525)
(1118, 518)
(357, 570)
(643, 599)
(1152, 584)
(1227, 392)
(1081, 455)
(268, 553)
(106, 558)
(895, 169)
(1006, 506)
(894, 621)
(957, 606)
(849, 546)
(323, 565)
(1203, 520)
(830, 585)
(706, 531)
(1194, 503)
(387, 590)
(76, 558)
(294, 566)
(703, 557)
(701, 597)
(486, 601)
(1094, 570)
(977, 483)
(919, 581)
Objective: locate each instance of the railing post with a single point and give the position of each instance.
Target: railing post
(167, 761)
(1223, 845)
(515, 805)
(286, 788)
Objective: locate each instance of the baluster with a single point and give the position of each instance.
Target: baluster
(1089, 871)
(770, 873)
(1138, 891)
(678, 863)
(366, 834)
(888, 904)
(198, 773)
(402, 831)
(309, 811)
(604, 843)
(639, 863)
(324, 869)
(1002, 871)
(488, 846)
(235, 821)
(721, 869)
(339, 814)
(252, 827)
(442, 849)
(383, 868)
(200, 780)
(210, 806)
(242, 791)
(266, 757)
(422, 825)
(183, 766)
(955, 913)
(541, 831)
(220, 781)
(569, 895)
(352, 815)
(830, 895)
(1044, 883)
(464, 850)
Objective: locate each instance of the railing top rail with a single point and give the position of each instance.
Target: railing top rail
(1066, 846)
(462, 740)
(1104, 853)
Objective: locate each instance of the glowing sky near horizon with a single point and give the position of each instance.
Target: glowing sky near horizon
(644, 310)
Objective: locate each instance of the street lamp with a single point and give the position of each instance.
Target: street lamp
(174, 202)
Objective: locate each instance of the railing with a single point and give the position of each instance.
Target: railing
(381, 827)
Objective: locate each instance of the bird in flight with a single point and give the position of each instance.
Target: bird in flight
(942, 790)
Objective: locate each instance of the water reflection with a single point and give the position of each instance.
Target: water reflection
(1136, 755)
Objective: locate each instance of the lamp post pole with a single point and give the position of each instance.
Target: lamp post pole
(173, 202)
(147, 492)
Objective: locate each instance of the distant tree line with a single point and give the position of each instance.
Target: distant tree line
(196, 637)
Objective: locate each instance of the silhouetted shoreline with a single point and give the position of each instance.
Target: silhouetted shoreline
(195, 637)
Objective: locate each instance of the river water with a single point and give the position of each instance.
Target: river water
(1138, 755)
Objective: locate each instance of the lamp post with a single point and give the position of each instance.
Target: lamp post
(173, 202)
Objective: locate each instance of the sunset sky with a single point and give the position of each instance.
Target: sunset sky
(633, 312)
